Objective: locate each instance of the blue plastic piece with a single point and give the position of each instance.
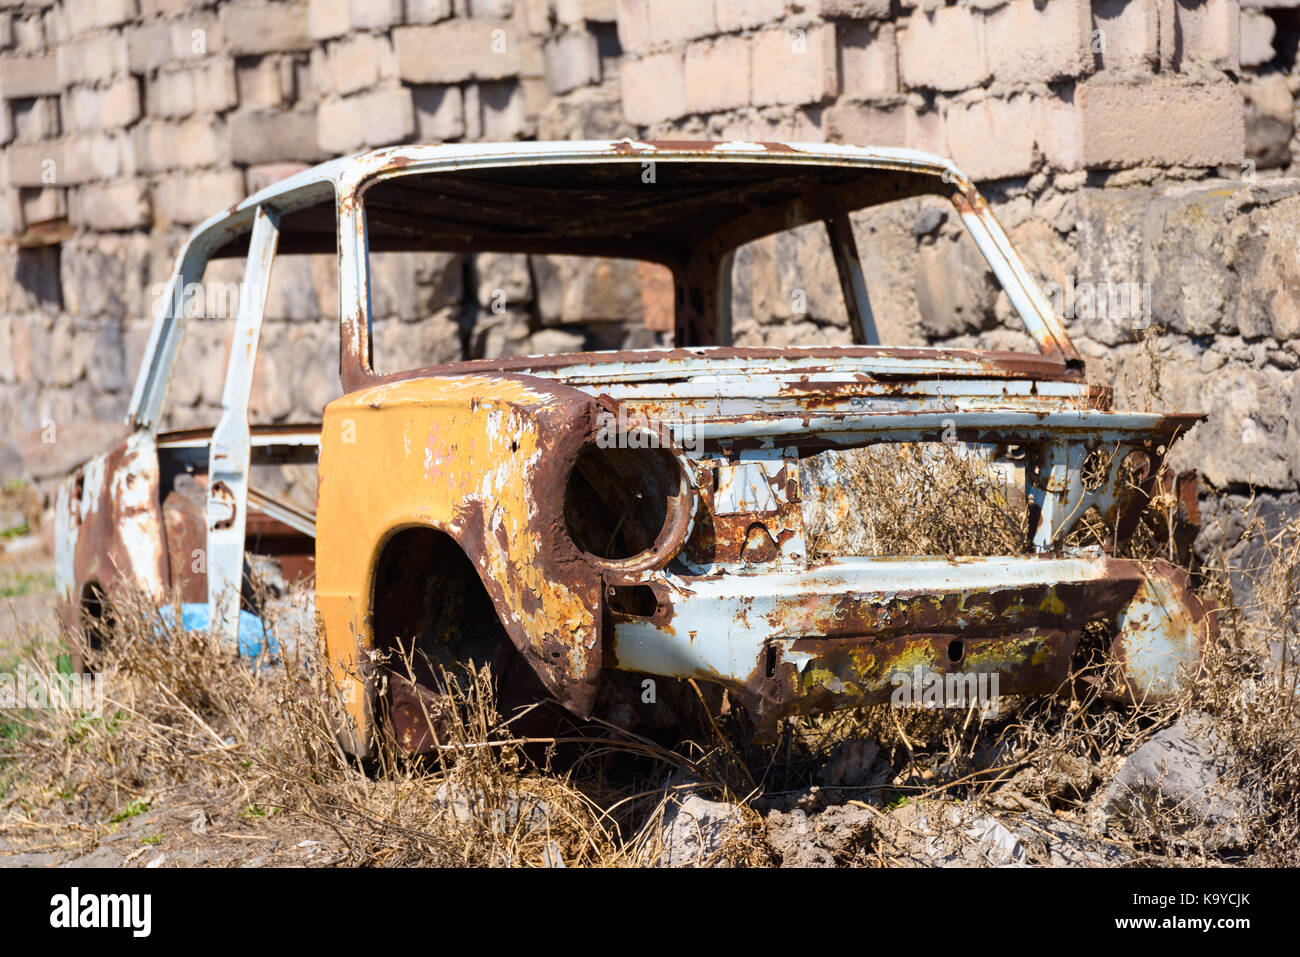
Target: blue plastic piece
(252, 633)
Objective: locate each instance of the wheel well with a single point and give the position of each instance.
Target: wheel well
(94, 624)
(428, 600)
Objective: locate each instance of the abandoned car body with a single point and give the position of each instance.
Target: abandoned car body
(475, 503)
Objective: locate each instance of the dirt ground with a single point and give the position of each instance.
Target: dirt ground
(178, 828)
(203, 760)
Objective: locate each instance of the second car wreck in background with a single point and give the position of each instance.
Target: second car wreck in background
(479, 511)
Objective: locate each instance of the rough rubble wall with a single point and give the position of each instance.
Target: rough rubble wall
(1122, 142)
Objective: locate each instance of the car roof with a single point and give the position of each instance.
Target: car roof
(546, 181)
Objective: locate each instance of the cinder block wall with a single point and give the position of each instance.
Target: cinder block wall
(1121, 141)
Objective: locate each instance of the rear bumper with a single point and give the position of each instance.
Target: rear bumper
(841, 634)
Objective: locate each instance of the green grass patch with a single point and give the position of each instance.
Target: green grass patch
(25, 583)
(131, 810)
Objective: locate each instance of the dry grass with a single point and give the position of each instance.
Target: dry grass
(901, 499)
(1062, 750)
(186, 718)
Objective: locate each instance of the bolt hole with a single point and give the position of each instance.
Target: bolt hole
(956, 651)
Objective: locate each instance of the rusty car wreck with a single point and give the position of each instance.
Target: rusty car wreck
(470, 505)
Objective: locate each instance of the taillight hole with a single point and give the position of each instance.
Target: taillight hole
(956, 651)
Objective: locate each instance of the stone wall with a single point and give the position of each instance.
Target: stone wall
(1142, 144)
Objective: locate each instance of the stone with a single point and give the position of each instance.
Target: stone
(92, 275)
(1111, 242)
(98, 156)
(149, 46)
(586, 113)
(263, 83)
(955, 291)
(786, 278)
(456, 51)
(716, 75)
(868, 60)
(1190, 772)
(356, 63)
(1265, 303)
(1244, 440)
(1031, 42)
(586, 289)
(502, 279)
(252, 28)
(1052, 841)
(634, 26)
(551, 342)
(940, 834)
(1156, 122)
(1257, 33)
(870, 9)
(339, 125)
(572, 60)
(414, 345)
(86, 15)
(124, 204)
(473, 112)
(673, 22)
(119, 104)
(1208, 33)
(328, 19)
(439, 112)
(497, 335)
(502, 112)
(413, 286)
(214, 85)
(375, 14)
(1184, 260)
(35, 164)
(572, 12)
(427, 11)
(192, 197)
(927, 221)
(694, 829)
(87, 60)
(487, 9)
(868, 125)
(22, 77)
(957, 31)
(1127, 34)
(42, 205)
(35, 120)
(794, 66)
(653, 89)
(734, 15)
(275, 136)
(1269, 112)
(293, 293)
(387, 116)
(1011, 122)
